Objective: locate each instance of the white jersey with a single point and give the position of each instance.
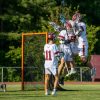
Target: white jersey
(63, 34)
(50, 51)
(67, 52)
(70, 35)
(82, 40)
(67, 35)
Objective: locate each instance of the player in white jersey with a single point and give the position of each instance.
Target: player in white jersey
(67, 38)
(51, 62)
(82, 37)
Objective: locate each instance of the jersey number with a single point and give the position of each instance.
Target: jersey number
(48, 55)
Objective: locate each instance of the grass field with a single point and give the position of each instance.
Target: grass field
(73, 92)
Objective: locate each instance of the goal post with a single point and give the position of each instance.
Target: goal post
(32, 58)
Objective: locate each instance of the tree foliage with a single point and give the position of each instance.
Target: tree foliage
(17, 16)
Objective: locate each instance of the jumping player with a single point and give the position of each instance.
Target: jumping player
(82, 37)
(67, 39)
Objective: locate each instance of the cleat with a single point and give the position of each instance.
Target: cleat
(53, 93)
(70, 73)
(47, 93)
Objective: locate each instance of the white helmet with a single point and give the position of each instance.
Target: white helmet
(76, 17)
(70, 24)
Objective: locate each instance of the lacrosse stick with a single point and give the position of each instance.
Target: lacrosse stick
(55, 26)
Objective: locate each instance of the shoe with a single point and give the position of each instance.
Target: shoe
(67, 74)
(47, 93)
(70, 73)
(53, 93)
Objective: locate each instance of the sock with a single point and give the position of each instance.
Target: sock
(72, 69)
(54, 90)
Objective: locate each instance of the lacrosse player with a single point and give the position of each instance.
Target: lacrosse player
(67, 46)
(51, 63)
(82, 37)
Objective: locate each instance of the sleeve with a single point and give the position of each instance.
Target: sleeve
(56, 53)
(61, 51)
(55, 49)
(80, 28)
(60, 48)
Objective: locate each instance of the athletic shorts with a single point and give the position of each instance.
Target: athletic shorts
(67, 52)
(68, 57)
(50, 71)
(74, 48)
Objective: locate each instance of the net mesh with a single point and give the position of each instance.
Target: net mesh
(33, 61)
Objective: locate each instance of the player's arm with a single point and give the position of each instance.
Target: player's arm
(79, 31)
(56, 52)
(44, 50)
(61, 52)
(62, 39)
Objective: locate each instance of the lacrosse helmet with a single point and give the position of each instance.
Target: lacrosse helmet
(51, 36)
(70, 24)
(76, 17)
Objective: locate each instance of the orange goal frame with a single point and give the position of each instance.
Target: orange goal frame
(22, 53)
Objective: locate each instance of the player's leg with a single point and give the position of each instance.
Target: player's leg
(72, 69)
(56, 81)
(55, 85)
(47, 77)
(55, 73)
(60, 67)
(71, 63)
(46, 84)
(74, 52)
(62, 75)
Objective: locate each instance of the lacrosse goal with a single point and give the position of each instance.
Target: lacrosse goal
(33, 60)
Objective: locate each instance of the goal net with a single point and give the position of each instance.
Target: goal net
(33, 60)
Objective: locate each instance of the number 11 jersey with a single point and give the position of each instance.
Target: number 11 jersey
(50, 52)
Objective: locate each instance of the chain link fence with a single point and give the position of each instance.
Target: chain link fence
(13, 74)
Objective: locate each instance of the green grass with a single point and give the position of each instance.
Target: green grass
(73, 92)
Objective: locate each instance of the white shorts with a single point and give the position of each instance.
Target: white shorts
(67, 52)
(74, 48)
(50, 71)
(68, 57)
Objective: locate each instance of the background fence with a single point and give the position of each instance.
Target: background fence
(13, 74)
